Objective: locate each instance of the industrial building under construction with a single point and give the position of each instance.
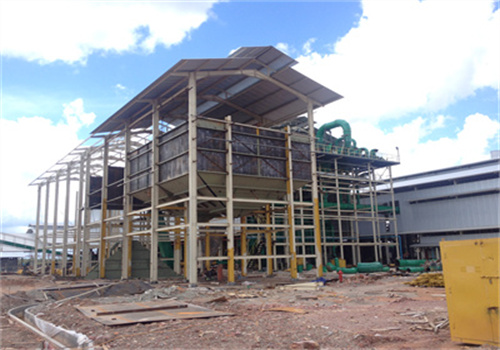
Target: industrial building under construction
(217, 161)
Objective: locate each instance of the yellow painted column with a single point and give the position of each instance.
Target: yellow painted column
(186, 246)
(269, 241)
(290, 206)
(177, 246)
(244, 246)
(207, 249)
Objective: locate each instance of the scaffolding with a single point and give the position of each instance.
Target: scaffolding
(203, 167)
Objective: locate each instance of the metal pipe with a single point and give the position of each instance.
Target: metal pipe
(346, 128)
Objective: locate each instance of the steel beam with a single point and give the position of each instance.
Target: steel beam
(37, 228)
(104, 211)
(192, 274)
(229, 203)
(153, 267)
(45, 226)
(54, 228)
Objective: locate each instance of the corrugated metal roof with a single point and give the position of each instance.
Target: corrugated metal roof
(254, 85)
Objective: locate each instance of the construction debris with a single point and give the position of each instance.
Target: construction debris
(304, 286)
(128, 313)
(277, 318)
(428, 280)
(288, 309)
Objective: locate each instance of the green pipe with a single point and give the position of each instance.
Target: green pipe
(370, 267)
(346, 128)
(348, 270)
(410, 262)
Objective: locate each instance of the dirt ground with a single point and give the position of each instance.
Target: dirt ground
(376, 311)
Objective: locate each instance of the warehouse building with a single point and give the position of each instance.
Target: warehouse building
(217, 161)
(455, 203)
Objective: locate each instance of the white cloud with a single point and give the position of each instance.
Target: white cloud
(284, 47)
(410, 58)
(421, 151)
(75, 115)
(28, 145)
(407, 56)
(307, 47)
(70, 31)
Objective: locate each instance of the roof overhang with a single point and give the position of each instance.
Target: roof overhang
(255, 85)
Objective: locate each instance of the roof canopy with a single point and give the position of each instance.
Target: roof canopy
(254, 85)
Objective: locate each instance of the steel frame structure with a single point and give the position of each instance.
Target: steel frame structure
(123, 194)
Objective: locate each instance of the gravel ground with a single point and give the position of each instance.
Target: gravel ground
(364, 312)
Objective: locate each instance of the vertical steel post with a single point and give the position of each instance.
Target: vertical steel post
(153, 267)
(104, 211)
(243, 239)
(229, 203)
(372, 213)
(314, 175)
(126, 240)
(193, 181)
(377, 217)
(339, 210)
(66, 221)
(54, 228)
(186, 243)
(37, 229)
(177, 246)
(396, 234)
(207, 249)
(269, 241)
(86, 217)
(290, 205)
(79, 218)
(45, 227)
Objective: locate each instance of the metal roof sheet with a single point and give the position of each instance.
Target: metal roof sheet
(253, 85)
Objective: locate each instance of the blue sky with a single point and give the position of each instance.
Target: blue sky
(422, 76)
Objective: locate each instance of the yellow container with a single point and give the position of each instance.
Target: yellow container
(341, 262)
(471, 277)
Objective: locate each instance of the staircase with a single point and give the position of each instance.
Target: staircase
(140, 265)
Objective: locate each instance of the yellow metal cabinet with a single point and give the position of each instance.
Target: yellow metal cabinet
(471, 276)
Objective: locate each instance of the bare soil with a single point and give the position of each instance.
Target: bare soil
(375, 311)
